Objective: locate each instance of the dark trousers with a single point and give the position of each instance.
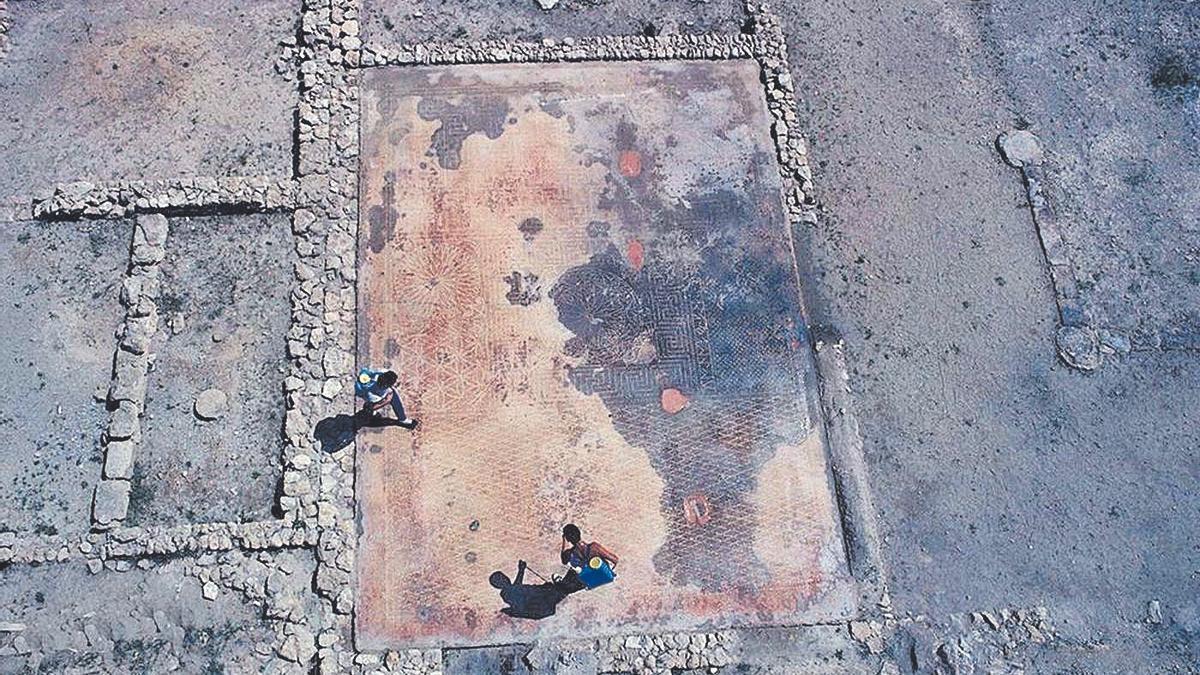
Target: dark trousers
(398, 406)
(396, 403)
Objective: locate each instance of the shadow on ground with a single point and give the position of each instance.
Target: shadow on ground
(335, 433)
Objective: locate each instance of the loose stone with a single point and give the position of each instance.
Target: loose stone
(1020, 148)
(110, 502)
(1078, 347)
(211, 404)
(1154, 612)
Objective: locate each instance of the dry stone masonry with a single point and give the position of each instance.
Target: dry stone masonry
(131, 365)
(4, 24)
(274, 584)
(665, 653)
(135, 542)
(117, 199)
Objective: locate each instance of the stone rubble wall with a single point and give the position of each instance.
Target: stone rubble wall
(136, 542)
(131, 365)
(607, 48)
(665, 653)
(131, 543)
(264, 581)
(19, 549)
(986, 641)
(5, 22)
(319, 486)
(180, 196)
(791, 148)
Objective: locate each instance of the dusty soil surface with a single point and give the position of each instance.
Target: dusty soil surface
(1115, 97)
(151, 618)
(224, 316)
(144, 89)
(416, 21)
(59, 308)
(1002, 477)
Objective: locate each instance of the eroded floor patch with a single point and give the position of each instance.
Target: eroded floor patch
(223, 326)
(59, 308)
(584, 277)
(143, 89)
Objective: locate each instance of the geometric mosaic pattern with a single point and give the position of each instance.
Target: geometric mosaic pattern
(583, 275)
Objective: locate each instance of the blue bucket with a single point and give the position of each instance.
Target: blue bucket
(596, 573)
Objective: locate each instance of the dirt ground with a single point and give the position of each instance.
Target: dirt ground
(1001, 476)
(143, 89)
(224, 312)
(152, 618)
(58, 311)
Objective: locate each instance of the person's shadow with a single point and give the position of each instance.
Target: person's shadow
(335, 433)
(527, 601)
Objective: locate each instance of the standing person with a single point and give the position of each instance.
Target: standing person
(591, 564)
(378, 390)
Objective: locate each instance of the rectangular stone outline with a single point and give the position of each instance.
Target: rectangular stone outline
(706, 48)
(130, 372)
(768, 47)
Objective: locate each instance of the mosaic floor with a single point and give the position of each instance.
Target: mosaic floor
(582, 273)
